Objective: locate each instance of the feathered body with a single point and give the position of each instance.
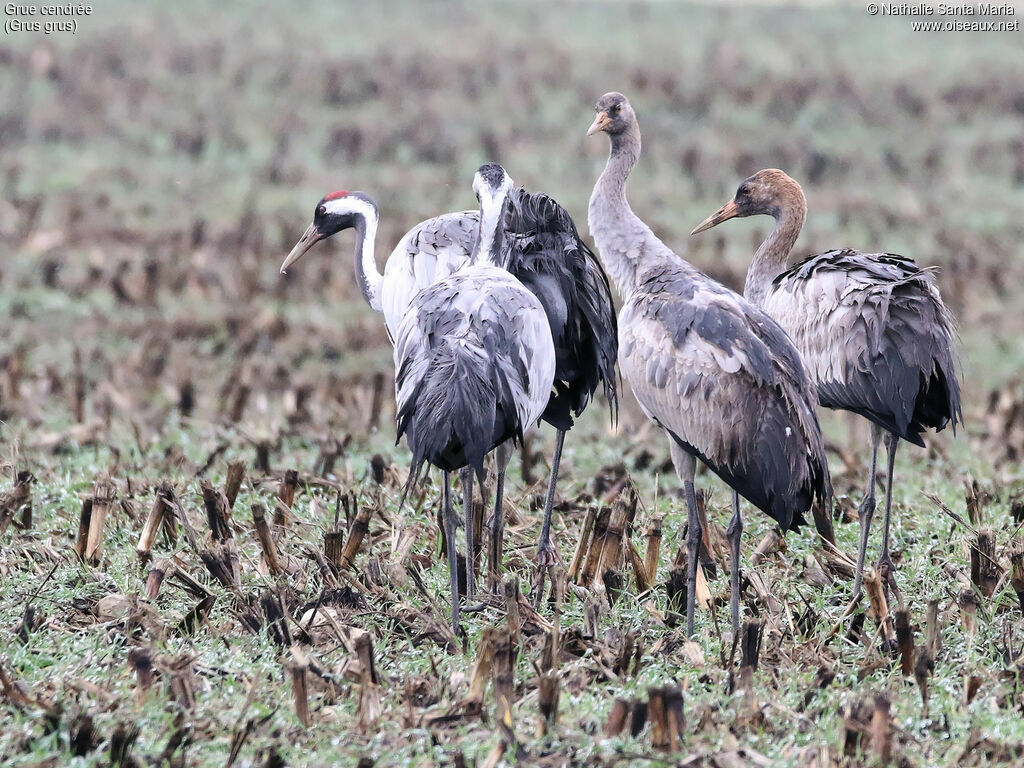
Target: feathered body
(876, 337)
(546, 254)
(722, 379)
(433, 250)
(871, 328)
(475, 364)
(715, 372)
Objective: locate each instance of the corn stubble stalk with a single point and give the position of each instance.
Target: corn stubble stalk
(583, 545)
(880, 607)
(924, 665)
(233, 481)
(89, 542)
(985, 570)
(286, 497)
(1017, 573)
(360, 527)
(369, 708)
(266, 540)
(18, 498)
(161, 517)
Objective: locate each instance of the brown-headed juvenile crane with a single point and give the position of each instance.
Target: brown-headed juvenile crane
(545, 252)
(871, 328)
(715, 372)
(474, 362)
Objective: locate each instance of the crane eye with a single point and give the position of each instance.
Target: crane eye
(321, 210)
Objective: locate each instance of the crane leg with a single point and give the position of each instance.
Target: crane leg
(450, 524)
(467, 490)
(546, 554)
(502, 455)
(866, 510)
(885, 566)
(734, 533)
(686, 468)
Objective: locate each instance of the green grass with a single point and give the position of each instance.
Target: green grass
(195, 143)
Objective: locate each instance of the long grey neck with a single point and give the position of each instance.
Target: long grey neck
(772, 257)
(492, 232)
(367, 274)
(622, 239)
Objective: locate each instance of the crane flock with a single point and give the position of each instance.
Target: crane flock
(502, 316)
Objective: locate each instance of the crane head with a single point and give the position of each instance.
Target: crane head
(335, 212)
(491, 184)
(614, 114)
(764, 192)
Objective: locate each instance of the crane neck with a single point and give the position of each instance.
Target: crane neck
(772, 256)
(491, 237)
(626, 244)
(367, 274)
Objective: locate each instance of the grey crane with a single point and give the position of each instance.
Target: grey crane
(474, 361)
(712, 370)
(546, 253)
(871, 328)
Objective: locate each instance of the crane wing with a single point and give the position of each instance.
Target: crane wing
(722, 378)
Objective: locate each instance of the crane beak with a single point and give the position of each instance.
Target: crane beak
(309, 238)
(726, 212)
(599, 124)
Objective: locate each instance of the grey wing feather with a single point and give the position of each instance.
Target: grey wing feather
(724, 380)
(876, 338)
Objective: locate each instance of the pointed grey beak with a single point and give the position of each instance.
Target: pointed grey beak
(599, 124)
(726, 212)
(309, 238)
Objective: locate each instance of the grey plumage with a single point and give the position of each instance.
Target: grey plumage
(466, 355)
(871, 328)
(475, 363)
(876, 337)
(715, 372)
(722, 379)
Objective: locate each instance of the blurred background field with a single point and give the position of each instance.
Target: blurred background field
(156, 167)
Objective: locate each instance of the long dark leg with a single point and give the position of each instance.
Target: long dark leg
(467, 492)
(450, 524)
(546, 555)
(734, 533)
(686, 468)
(885, 565)
(502, 456)
(866, 510)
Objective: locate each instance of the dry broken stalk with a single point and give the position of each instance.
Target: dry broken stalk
(616, 718)
(266, 540)
(233, 482)
(19, 497)
(881, 730)
(160, 570)
(161, 515)
(369, 708)
(880, 607)
(503, 675)
(985, 570)
(360, 527)
(481, 670)
(286, 495)
(905, 642)
(218, 514)
(596, 546)
(653, 549)
(102, 501)
(583, 545)
(1017, 574)
(547, 697)
(300, 694)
